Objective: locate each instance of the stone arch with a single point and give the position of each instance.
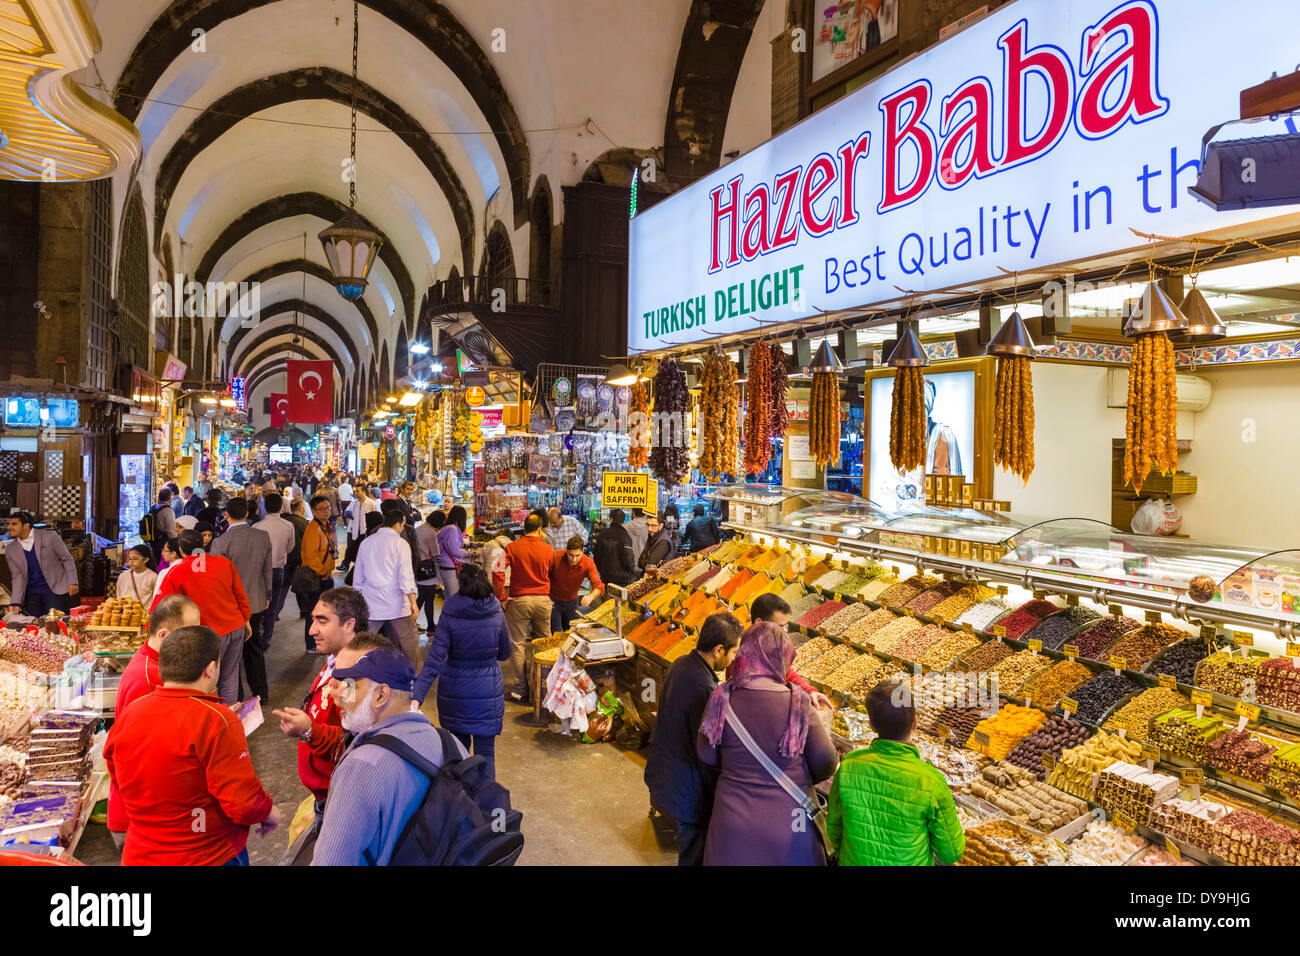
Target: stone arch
(318, 271)
(314, 83)
(276, 309)
(708, 61)
(498, 263)
(282, 351)
(541, 226)
(301, 204)
(239, 363)
(432, 23)
(401, 356)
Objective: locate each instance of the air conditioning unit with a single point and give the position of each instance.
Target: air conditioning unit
(1193, 391)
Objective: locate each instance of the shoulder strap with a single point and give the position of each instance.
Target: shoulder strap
(801, 799)
(405, 751)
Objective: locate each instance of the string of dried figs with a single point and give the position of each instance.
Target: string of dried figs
(1013, 416)
(758, 410)
(639, 411)
(907, 420)
(778, 382)
(824, 419)
(670, 456)
(1151, 418)
(717, 415)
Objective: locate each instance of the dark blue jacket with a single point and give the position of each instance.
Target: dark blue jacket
(679, 784)
(470, 638)
(701, 533)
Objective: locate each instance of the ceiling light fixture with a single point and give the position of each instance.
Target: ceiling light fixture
(351, 244)
(826, 360)
(419, 348)
(1012, 339)
(620, 374)
(909, 352)
(411, 398)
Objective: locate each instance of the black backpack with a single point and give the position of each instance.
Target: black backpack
(148, 527)
(465, 818)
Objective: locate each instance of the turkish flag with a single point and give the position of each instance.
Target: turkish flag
(279, 410)
(311, 392)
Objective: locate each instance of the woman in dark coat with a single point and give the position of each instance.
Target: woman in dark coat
(754, 820)
(469, 640)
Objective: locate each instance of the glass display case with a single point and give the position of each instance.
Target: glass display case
(754, 504)
(1270, 583)
(1084, 548)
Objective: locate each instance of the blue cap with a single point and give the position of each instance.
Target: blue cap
(383, 667)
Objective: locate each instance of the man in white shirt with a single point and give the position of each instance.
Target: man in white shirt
(282, 536)
(384, 576)
(345, 494)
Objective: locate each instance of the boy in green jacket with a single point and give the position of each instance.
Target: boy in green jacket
(889, 807)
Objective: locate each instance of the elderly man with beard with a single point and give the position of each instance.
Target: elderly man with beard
(373, 791)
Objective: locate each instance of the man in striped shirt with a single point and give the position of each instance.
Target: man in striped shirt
(562, 528)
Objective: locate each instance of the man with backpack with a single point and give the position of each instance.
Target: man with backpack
(404, 792)
(158, 524)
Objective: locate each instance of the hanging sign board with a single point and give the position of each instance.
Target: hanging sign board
(624, 489)
(1038, 136)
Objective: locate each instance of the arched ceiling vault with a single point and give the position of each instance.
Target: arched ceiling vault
(252, 356)
(291, 267)
(296, 204)
(171, 34)
(286, 309)
(316, 83)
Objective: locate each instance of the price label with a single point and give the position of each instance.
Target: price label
(1121, 724)
(1049, 761)
(942, 731)
(1069, 705)
(837, 597)
(1249, 711)
(1153, 617)
(1150, 753)
(1039, 595)
(894, 570)
(909, 612)
(1192, 776)
(1072, 600)
(979, 738)
(1035, 644)
(1071, 651)
(939, 619)
(869, 648)
(1124, 822)
(1292, 649)
(998, 630)
(1114, 610)
(1002, 590)
(1119, 663)
(1202, 697)
(1208, 632)
(966, 626)
(1172, 847)
(1167, 680)
(1243, 639)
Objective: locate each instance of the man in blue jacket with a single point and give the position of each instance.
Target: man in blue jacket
(373, 792)
(679, 785)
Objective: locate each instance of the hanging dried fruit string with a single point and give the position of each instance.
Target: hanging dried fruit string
(824, 419)
(639, 415)
(758, 410)
(719, 412)
(1151, 420)
(669, 456)
(779, 378)
(1013, 416)
(907, 420)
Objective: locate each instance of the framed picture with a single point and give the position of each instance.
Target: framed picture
(959, 432)
(843, 32)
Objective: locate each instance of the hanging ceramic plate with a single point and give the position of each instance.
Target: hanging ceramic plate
(543, 445)
(565, 419)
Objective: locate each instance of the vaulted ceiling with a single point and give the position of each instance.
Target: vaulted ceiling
(464, 107)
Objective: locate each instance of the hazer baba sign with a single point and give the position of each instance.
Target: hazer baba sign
(1040, 135)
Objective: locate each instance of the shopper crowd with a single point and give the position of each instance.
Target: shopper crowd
(740, 742)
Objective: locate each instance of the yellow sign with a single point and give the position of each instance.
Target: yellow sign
(1034, 643)
(1123, 821)
(1249, 711)
(1192, 775)
(1049, 761)
(1202, 697)
(475, 396)
(1172, 847)
(1243, 638)
(998, 630)
(1071, 651)
(1167, 680)
(1153, 617)
(1069, 705)
(1119, 663)
(624, 489)
(1292, 649)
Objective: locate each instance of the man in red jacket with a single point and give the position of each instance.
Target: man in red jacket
(773, 607)
(142, 677)
(528, 607)
(212, 582)
(340, 614)
(569, 568)
(180, 762)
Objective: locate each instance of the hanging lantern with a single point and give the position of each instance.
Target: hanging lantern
(1154, 312)
(826, 360)
(1203, 323)
(351, 244)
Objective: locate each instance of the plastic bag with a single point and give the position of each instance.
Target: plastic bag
(1157, 516)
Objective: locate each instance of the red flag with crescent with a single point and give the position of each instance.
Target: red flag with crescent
(279, 411)
(311, 392)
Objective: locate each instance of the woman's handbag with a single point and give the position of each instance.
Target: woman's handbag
(813, 805)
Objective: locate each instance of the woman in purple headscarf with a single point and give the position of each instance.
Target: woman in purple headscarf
(755, 822)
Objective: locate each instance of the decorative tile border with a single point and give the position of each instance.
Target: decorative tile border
(1110, 353)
